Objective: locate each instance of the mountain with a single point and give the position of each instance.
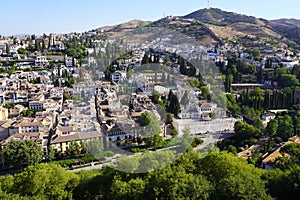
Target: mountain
(290, 28)
(219, 17)
(210, 26)
(128, 26)
(234, 26)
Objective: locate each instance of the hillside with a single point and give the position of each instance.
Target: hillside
(128, 26)
(290, 28)
(219, 17)
(210, 26)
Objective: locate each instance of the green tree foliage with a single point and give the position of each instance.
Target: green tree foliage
(232, 177)
(155, 97)
(288, 80)
(131, 190)
(28, 113)
(144, 119)
(272, 127)
(74, 148)
(258, 124)
(180, 185)
(283, 184)
(285, 127)
(174, 105)
(93, 147)
(154, 140)
(205, 92)
(169, 118)
(20, 154)
(22, 51)
(45, 181)
(232, 105)
(216, 175)
(245, 134)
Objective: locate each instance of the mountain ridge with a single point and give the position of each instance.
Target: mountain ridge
(214, 25)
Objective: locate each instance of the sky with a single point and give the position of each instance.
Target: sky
(65, 16)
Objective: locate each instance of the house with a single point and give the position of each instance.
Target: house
(39, 137)
(64, 130)
(41, 61)
(190, 113)
(60, 144)
(208, 107)
(3, 48)
(266, 117)
(4, 129)
(69, 61)
(221, 113)
(3, 113)
(15, 111)
(114, 133)
(27, 127)
(118, 76)
(36, 105)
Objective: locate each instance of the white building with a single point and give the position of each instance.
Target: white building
(118, 76)
(41, 61)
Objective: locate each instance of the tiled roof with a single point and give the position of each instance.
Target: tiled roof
(276, 153)
(65, 129)
(77, 137)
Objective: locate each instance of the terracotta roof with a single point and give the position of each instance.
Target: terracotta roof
(272, 157)
(77, 137)
(65, 129)
(27, 124)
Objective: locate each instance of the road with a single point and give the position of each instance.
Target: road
(213, 138)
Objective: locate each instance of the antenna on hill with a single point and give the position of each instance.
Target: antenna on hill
(208, 4)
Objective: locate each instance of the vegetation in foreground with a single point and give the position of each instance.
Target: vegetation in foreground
(217, 175)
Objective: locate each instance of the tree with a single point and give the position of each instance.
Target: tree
(232, 177)
(154, 141)
(283, 184)
(155, 97)
(288, 80)
(146, 59)
(169, 118)
(205, 92)
(51, 153)
(245, 133)
(7, 49)
(258, 124)
(144, 119)
(22, 51)
(131, 190)
(185, 99)
(177, 183)
(28, 113)
(227, 83)
(93, 147)
(20, 154)
(272, 127)
(232, 105)
(232, 149)
(74, 148)
(45, 181)
(174, 105)
(183, 66)
(285, 127)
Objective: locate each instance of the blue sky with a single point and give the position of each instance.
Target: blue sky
(64, 16)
